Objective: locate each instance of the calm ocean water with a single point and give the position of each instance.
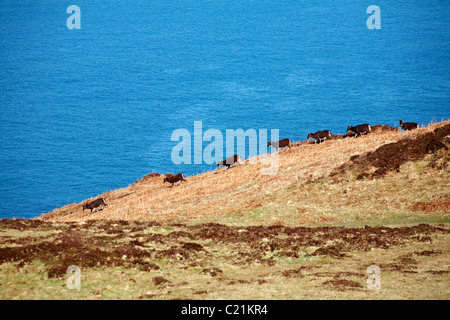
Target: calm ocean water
(87, 111)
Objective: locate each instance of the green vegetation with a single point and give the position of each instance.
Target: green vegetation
(309, 232)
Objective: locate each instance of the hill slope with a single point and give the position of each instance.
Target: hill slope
(237, 234)
(386, 175)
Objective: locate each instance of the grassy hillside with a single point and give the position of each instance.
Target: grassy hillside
(332, 182)
(309, 232)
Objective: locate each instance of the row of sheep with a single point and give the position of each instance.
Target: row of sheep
(319, 137)
(362, 129)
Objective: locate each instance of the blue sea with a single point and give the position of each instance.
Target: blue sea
(85, 111)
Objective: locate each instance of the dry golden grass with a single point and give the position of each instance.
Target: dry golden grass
(302, 192)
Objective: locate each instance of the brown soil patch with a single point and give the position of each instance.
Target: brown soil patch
(159, 281)
(436, 205)
(391, 156)
(296, 273)
(428, 253)
(134, 245)
(343, 284)
(193, 246)
(403, 263)
(439, 272)
(213, 272)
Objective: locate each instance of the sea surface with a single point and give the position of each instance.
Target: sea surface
(86, 111)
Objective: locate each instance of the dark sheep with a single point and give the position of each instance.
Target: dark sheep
(283, 143)
(231, 161)
(174, 178)
(408, 125)
(359, 129)
(320, 135)
(95, 204)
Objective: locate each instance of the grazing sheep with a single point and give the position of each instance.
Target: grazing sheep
(359, 129)
(408, 125)
(231, 161)
(320, 135)
(95, 204)
(284, 143)
(174, 178)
